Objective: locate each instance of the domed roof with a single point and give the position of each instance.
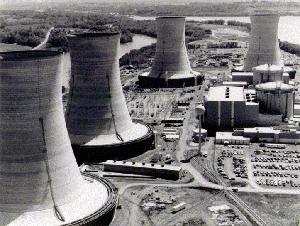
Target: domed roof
(279, 85)
(268, 67)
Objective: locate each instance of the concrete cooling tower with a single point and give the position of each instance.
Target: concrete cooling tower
(40, 183)
(171, 66)
(97, 117)
(263, 45)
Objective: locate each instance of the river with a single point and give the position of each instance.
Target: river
(288, 28)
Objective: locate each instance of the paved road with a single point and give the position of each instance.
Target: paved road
(199, 179)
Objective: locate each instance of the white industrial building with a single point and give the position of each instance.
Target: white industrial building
(276, 98)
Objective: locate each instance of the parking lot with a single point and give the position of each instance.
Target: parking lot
(231, 164)
(265, 167)
(273, 167)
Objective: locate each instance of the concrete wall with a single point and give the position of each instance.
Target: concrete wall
(155, 170)
(276, 103)
(35, 147)
(263, 45)
(97, 104)
(243, 78)
(171, 54)
(229, 114)
(267, 76)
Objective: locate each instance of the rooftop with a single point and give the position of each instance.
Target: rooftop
(278, 85)
(268, 67)
(141, 165)
(226, 93)
(229, 136)
(241, 73)
(268, 130)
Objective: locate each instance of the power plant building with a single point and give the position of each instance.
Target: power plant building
(263, 45)
(276, 98)
(228, 106)
(97, 117)
(269, 73)
(171, 66)
(40, 182)
(260, 134)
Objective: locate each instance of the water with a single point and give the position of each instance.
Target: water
(138, 42)
(288, 28)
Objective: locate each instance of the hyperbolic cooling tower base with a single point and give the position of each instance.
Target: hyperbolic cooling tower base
(136, 141)
(95, 206)
(175, 81)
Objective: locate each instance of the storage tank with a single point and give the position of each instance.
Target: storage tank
(276, 98)
(171, 66)
(97, 117)
(269, 73)
(40, 183)
(263, 44)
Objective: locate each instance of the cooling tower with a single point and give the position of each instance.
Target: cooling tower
(40, 183)
(171, 66)
(97, 117)
(263, 45)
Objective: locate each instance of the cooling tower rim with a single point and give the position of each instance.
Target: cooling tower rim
(124, 143)
(170, 17)
(28, 54)
(93, 34)
(108, 206)
(264, 12)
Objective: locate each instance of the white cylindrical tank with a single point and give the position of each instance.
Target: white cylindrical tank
(97, 113)
(276, 98)
(171, 66)
(40, 183)
(263, 45)
(267, 73)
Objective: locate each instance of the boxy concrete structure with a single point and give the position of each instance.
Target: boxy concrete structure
(97, 117)
(228, 106)
(171, 66)
(263, 46)
(40, 183)
(149, 169)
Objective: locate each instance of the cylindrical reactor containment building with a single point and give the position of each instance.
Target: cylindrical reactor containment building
(263, 45)
(269, 73)
(171, 66)
(276, 98)
(40, 183)
(97, 115)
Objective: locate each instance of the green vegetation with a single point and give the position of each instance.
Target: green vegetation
(137, 57)
(239, 24)
(290, 48)
(217, 22)
(193, 31)
(29, 27)
(208, 8)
